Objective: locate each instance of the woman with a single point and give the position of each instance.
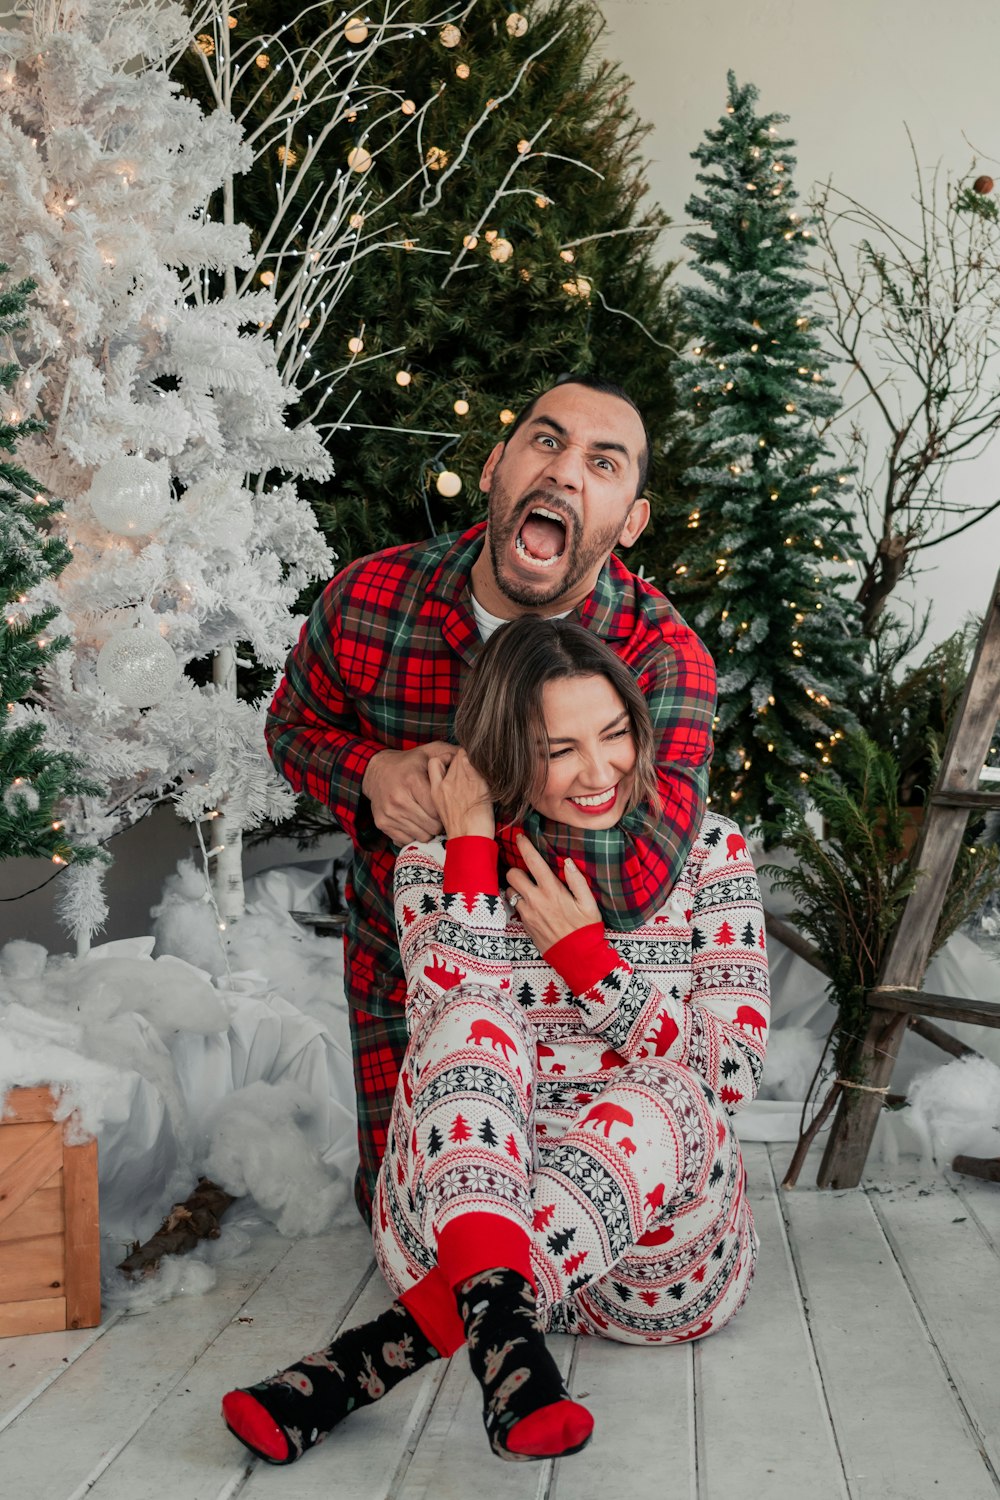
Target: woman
(561, 1156)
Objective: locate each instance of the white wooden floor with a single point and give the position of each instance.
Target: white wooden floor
(866, 1363)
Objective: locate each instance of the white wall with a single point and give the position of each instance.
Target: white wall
(849, 73)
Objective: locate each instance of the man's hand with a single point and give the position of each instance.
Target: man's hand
(461, 797)
(399, 790)
(549, 909)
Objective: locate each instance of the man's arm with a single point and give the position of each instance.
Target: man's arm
(632, 867)
(313, 736)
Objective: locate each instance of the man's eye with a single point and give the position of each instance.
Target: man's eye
(605, 463)
(547, 438)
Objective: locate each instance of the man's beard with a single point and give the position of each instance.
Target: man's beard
(580, 560)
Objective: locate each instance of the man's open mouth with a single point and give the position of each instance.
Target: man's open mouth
(541, 540)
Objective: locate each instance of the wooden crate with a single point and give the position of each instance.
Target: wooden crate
(50, 1264)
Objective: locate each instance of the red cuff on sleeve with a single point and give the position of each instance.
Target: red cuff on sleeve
(470, 864)
(583, 957)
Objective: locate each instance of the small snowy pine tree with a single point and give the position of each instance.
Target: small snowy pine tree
(763, 569)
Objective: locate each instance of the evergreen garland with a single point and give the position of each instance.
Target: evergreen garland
(760, 571)
(34, 779)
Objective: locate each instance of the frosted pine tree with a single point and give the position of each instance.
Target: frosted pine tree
(166, 440)
(762, 573)
(34, 781)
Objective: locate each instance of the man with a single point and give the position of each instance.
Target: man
(370, 691)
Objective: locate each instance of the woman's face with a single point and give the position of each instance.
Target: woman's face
(591, 753)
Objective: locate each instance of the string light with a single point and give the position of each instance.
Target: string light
(355, 31)
(403, 377)
(462, 70)
(267, 278)
(507, 416)
(461, 407)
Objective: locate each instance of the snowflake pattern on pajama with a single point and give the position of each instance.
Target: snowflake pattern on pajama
(598, 1121)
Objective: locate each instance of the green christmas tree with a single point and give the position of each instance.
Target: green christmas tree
(34, 779)
(763, 564)
(518, 245)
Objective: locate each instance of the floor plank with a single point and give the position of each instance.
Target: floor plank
(643, 1406)
(311, 1291)
(901, 1434)
(944, 1256)
(113, 1388)
(29, 1365)
(766, 1424)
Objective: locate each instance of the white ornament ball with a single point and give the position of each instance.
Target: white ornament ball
(137, 667)
(358, 159)
(20, 797)
(356, 31)
(517, 24)
(130, 495)
(450, 36)
(448, 484)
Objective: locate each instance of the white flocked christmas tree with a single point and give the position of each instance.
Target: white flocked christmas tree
(167, 442)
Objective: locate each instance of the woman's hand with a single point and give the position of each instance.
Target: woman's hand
(549, 909)
(461, 797)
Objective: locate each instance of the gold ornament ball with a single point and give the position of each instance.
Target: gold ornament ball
(408, 107)
(358, 159)
(355, 31)
(403, 377)
(462, 70)
(356, 344)
(356, 221)
(582, 286)
(501, 250)
(567, 255)
(448, 484)
(267, 278)
(436, 159)
(517, 24)
(205, 44)
(522, 147)
(543, 202)
(507, 416)
(263, 61)
(983, 185)
(461, 407)
(470, 241)
(570, 288)
(450, 36)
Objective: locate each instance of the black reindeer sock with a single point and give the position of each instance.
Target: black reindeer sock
(526, 1407)
(279, 1418)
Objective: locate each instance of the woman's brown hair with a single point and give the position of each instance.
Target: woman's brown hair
(501, 721)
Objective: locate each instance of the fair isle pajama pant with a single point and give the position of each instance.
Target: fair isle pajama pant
(634, 1199)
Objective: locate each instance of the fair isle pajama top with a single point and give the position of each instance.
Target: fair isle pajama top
(583, 1097)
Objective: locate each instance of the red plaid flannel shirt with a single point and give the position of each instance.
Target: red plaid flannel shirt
(381, 662)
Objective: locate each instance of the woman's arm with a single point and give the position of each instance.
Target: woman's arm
(715, 1019)
(450, 917)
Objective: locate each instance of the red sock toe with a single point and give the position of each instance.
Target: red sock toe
(562, 1427)
(254, 1426)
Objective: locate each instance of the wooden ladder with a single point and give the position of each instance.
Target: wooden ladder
(898, 995)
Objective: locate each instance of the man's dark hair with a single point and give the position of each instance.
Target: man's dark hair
(604, 388)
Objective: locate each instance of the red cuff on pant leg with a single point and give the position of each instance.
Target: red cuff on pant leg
(431, 1303)
(483, 1242)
